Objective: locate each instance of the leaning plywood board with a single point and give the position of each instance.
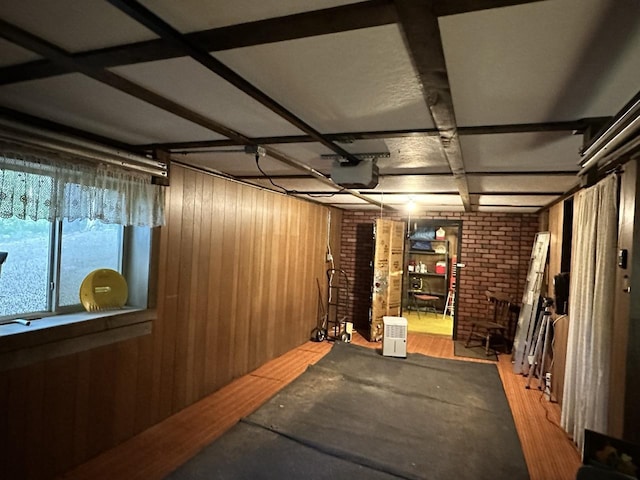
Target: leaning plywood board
(560, 336)
(527, 320)
(382, 234)
(387, 274)
(396, 269)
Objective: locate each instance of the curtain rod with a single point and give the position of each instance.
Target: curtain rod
(20, 133)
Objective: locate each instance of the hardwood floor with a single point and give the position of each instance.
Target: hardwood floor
(550, 455)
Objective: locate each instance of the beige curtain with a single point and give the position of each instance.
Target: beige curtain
(593, 268)
(49, 187)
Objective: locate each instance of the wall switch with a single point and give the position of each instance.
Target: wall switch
(623, 254)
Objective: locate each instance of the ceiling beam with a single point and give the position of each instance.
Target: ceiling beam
(422, 35)
(344, 18)
(59, 56)
(546, 173)
(55, 54)
(150, 20)
(454, 7)
(418, 192)
(367, 14)
(576, 126)
(64, 129)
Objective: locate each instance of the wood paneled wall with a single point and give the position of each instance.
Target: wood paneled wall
(236, 288)
(624, 421)
(556, 226)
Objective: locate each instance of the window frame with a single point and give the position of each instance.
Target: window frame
(57, 335)
(54, 272)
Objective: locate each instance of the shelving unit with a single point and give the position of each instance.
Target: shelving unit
(427, 273)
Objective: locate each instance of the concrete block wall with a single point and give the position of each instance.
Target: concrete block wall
(496, 248)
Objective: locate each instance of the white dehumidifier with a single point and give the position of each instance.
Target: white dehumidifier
(394, 338)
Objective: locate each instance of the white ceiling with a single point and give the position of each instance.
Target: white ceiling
(361, 80)
(84, 103)
(72, 25)
(219, 13)
(521, 152)
(351, 75)
(208, 95)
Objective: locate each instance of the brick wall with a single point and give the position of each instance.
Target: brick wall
(496, 248)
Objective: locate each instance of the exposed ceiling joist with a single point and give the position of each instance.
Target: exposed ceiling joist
(430, 193)
(344, 18)
(453, 7)
(63, 129)
(492, 68)
(577, 126)
(150, 20)
(57, 55)
(422, 35)
(546, 173)
(558, 173)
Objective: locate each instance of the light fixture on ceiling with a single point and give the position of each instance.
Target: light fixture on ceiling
(411, 205)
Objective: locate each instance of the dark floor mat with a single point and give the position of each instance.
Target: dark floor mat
(418, 417)
(477, 351)
(249, 452)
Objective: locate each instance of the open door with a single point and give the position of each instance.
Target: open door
(430, 287)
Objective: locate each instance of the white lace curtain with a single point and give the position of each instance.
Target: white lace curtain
(52, 187)
(593, 270)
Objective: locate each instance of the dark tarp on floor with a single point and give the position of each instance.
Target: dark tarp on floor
(357, 414)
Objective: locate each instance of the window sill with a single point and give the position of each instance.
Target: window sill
(60, 335)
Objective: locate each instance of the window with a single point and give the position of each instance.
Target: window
(60, 220)
(67, 209)
(47, 262)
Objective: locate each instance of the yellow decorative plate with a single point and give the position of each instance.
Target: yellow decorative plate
(103, 289)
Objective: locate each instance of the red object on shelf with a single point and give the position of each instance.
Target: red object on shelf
(441, 268)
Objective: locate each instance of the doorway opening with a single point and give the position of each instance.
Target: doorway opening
(431, 280)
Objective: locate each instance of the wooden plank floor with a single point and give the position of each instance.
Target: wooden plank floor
(157, 451)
